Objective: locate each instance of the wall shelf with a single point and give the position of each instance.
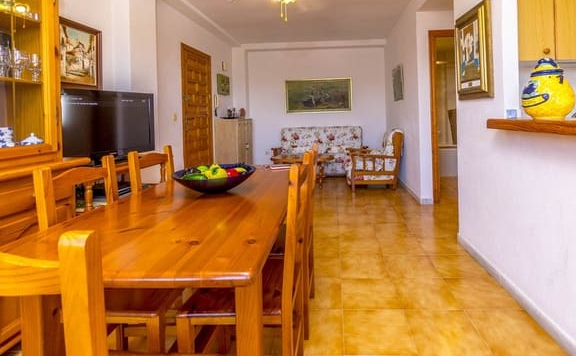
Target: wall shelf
(528, 125)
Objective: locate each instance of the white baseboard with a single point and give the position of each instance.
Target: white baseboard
(422, 201)
(566, 341)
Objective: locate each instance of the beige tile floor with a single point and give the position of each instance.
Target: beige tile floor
(391, 279)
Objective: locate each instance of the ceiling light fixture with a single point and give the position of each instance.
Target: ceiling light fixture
(284, 8)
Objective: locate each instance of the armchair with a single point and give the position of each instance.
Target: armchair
(376, 166)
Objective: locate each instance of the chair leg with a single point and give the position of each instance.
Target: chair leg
(156, 339)
(311, 263)
(118, 336)
(185, 335)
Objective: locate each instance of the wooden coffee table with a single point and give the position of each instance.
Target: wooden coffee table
(297, 158)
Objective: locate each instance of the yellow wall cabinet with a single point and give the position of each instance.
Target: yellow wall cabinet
(546, 29)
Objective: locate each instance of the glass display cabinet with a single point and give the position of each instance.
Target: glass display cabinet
(29, 82)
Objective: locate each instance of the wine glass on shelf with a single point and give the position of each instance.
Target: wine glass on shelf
(20, 61)
(35, 66)
(5, 60)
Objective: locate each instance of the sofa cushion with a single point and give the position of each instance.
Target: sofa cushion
(332, 140)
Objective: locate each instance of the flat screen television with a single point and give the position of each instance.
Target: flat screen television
(98, 122)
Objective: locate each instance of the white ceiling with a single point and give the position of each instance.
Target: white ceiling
(258, 21)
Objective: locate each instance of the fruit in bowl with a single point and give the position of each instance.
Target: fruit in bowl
(215, 178)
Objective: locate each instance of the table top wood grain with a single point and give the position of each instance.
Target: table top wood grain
(170, 236)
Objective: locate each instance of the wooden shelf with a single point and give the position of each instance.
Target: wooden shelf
(528, 125)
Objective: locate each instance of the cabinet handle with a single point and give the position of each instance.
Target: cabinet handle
(546, 51)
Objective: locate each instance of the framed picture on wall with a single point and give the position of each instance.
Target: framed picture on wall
(318, 95)
(474, 53)
(80, 55)
(222, 84)
(398, 82)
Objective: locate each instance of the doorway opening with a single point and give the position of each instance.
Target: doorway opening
(443, 113)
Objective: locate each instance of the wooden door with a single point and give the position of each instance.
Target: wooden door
(441, 43)
(196, 107)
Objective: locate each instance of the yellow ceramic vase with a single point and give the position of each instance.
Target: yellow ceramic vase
(548, 95)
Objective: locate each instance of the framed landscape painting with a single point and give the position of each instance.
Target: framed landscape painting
(81, 55)
(318, 95)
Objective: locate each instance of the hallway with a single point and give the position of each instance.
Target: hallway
(392, 280)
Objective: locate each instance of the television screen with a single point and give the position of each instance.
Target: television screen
(96, 123)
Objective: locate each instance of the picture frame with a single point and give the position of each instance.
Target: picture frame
(474, 53)
(398, 82)
(222, 84)
(318, 95)
(80, 55)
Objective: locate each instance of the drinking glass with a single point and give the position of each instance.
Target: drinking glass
(4, 60)
(6, 5)
(35, 66)
(20, 61)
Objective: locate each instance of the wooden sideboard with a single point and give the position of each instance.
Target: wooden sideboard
(18, 219)
(233, 138)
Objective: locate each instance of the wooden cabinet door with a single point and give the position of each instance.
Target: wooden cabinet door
(536, 29)
(565, 21)
(247, 141)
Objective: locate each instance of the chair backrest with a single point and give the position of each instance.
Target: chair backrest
(310, 160)
(137, 162)
(77, 277)
(52, 192)
(393, 142)
(293, 277)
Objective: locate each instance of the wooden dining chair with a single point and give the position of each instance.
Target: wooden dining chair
(137, 162)
(77, 277)
(310, 159)
(124, 307)
(282, 284)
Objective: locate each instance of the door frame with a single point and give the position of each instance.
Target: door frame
(432, 36)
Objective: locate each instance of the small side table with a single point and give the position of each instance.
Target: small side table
(297, 158)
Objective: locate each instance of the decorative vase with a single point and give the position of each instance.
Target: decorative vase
(548, 95)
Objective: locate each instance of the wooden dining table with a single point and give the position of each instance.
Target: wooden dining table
(169, 236)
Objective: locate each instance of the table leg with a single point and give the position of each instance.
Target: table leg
(249, 333)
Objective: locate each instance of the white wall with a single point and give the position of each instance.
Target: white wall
(128, 54)
(267, 71)
(99, 18)
(516, 193)
(173, 30)
(413, 113)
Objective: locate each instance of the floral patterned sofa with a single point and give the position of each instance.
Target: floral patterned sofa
(334, 140)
